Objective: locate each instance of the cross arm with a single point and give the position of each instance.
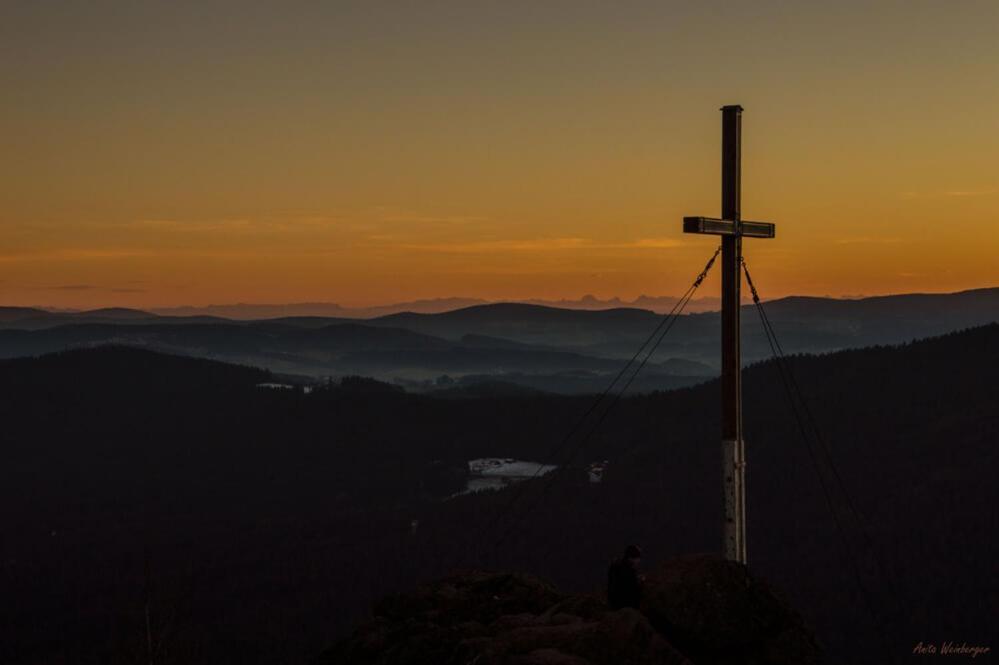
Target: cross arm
(726, 227)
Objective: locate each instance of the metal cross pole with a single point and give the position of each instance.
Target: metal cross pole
(732, 229)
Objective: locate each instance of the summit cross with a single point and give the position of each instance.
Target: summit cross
(732, 228)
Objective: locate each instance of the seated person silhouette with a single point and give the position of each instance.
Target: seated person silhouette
(624, 585)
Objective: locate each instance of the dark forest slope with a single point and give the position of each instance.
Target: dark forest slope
(271, 519)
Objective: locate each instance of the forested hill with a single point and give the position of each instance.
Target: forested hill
(116, 367)
(261, 523)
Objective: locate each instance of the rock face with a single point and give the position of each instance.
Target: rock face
(699, 610)
(717, 613)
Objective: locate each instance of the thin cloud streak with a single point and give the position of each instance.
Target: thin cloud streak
(951, 193)
(494, 246)
(535, 245)
(74, 254)
(870, 240)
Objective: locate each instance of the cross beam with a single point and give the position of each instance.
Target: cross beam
(727, 227)
(732, 229)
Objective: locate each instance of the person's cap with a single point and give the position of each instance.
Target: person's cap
(633, 552)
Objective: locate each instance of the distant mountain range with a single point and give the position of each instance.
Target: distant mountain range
(248, 311)
(543, 347)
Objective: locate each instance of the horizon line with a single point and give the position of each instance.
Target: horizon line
(562, 303)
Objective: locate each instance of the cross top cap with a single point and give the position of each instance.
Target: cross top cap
(732, 107)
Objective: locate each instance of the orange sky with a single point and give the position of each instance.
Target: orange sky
(211, 153)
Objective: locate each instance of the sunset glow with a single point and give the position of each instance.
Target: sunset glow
(170, 156)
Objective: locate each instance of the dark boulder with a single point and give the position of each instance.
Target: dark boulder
(717, 613)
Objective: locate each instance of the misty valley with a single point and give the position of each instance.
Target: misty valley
(486, 348)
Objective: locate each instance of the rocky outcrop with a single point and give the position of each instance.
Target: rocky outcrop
(716, 612)
(698, 610)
